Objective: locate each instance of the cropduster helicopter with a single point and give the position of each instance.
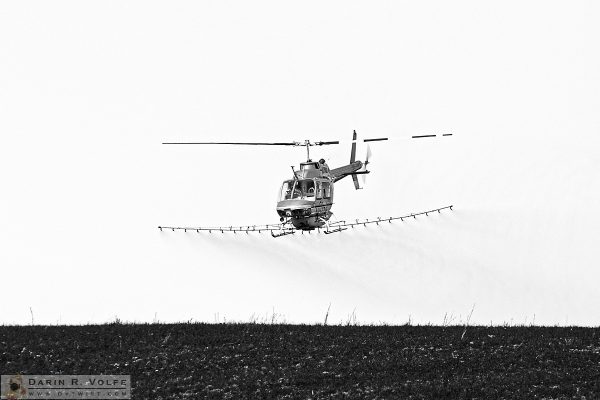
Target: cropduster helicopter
(305, 200)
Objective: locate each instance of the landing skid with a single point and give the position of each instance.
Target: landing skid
(282, 233)
(333, 227)
(328, 232)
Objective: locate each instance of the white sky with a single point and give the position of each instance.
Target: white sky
(89, 90)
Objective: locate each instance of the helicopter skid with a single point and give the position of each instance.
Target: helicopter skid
(328, 232)
(282, 233)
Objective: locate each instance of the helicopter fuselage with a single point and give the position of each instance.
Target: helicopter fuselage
(306, 200)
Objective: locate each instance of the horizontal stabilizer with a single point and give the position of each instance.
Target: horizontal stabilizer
(355, 180)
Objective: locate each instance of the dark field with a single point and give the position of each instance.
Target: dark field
(295, 361)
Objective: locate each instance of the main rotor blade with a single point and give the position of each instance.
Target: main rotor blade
(322, 143)
(375, 140)
(426, 136)
(261, 143)
(240, 143)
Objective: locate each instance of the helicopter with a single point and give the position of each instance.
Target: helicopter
(305, 201)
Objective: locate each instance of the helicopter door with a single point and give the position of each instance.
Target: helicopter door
(327, 192)
(319, 190)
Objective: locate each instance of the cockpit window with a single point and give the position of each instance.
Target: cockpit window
(286, 190)
(307, 187)
(299, 189)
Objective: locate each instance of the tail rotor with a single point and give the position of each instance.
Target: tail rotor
(361, 167)
(366, 163)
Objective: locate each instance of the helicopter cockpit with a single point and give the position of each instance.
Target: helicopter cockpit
(298, 189)
(306, 189)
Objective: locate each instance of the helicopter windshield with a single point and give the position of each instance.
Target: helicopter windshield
(300, 189)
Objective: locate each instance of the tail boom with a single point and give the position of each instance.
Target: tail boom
(342, 172)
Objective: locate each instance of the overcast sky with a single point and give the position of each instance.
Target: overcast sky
(89, 90)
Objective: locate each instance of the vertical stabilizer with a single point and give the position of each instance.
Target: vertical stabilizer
(353, 152)
(355, 180)
(352, 159)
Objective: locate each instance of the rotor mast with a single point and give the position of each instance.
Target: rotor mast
(307, 143)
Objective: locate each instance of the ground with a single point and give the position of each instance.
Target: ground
(177, 361)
